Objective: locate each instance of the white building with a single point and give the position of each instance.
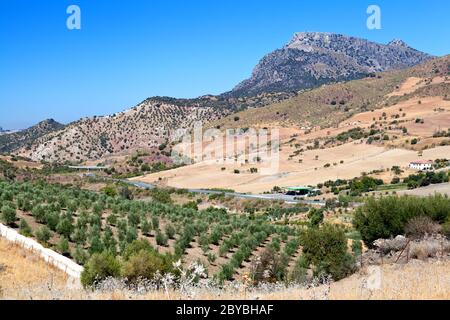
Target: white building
(421, 165)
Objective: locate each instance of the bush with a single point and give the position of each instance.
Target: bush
(387, 217)
(25, 228)
(161, 239)
(110, 190)
(64, 227)
(226, 272)
(63, 246)
(300, 272)
(80, 255)
(191, 205)
(315, 217)
(268, 267)
(325, 250)
(9, 215)
(160, 195)
(170, 231)
(420, 226)
(99, 267)
(145, 264)
(43, 234)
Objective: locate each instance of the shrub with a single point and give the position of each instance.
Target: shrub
(145, 264)
(64, 227)
(110, 190)
(325, 250)
(429, 248)
(135, 247)
(226, 272)
(161, 239)
(63, 246)
(420, 226)
(170, 231)
(96, 244)
(9, 215)
(160, 195)
(211, 257)
(300, 271)
(315, 217)
(43, 234)
(268, 267)
(80, 255)
(356, 247)
(387, 217)
(145, 227)
(191, 205)
(99, 267)
(25, 228)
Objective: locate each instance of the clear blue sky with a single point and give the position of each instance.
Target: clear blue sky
(129, 50)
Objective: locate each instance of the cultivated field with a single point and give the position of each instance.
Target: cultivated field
(24, 275)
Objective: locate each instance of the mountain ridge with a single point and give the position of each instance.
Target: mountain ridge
(311, 59)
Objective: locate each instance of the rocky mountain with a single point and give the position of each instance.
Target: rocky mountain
(311, 59)
(328, 105)
(25, 138)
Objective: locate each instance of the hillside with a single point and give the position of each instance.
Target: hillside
(330, 104)
(147, 126)
(399, 116)
(25, 138)
(311, 59)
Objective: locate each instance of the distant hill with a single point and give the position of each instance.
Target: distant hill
(147, 126)
(25, 138)
(311, 59)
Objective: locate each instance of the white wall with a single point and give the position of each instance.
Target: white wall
(59, 261)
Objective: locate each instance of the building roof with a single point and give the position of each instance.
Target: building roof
(299, 189)
(422, 162)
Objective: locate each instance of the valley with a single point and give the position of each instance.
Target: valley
(332, 160)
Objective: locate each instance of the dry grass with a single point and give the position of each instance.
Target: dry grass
(23, 269)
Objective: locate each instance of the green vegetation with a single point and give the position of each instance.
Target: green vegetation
(100, 267)
(94, 228)
(387, 217)
(425, 179)
(325, 251)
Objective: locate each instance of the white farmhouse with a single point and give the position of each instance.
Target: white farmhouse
(421, 165)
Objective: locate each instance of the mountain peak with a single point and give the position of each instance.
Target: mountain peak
(311, 59)
(307, 40)
(399, 43)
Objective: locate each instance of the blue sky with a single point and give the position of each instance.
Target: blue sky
(129, 50)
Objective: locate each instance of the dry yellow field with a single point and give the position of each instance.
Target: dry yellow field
(22, 271)
(357, 158)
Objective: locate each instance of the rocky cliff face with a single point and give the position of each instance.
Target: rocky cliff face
(311, 59)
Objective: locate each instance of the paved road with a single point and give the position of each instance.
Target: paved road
(442, 188)
(278, 196)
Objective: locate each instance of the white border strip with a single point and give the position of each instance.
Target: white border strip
(51, 257)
